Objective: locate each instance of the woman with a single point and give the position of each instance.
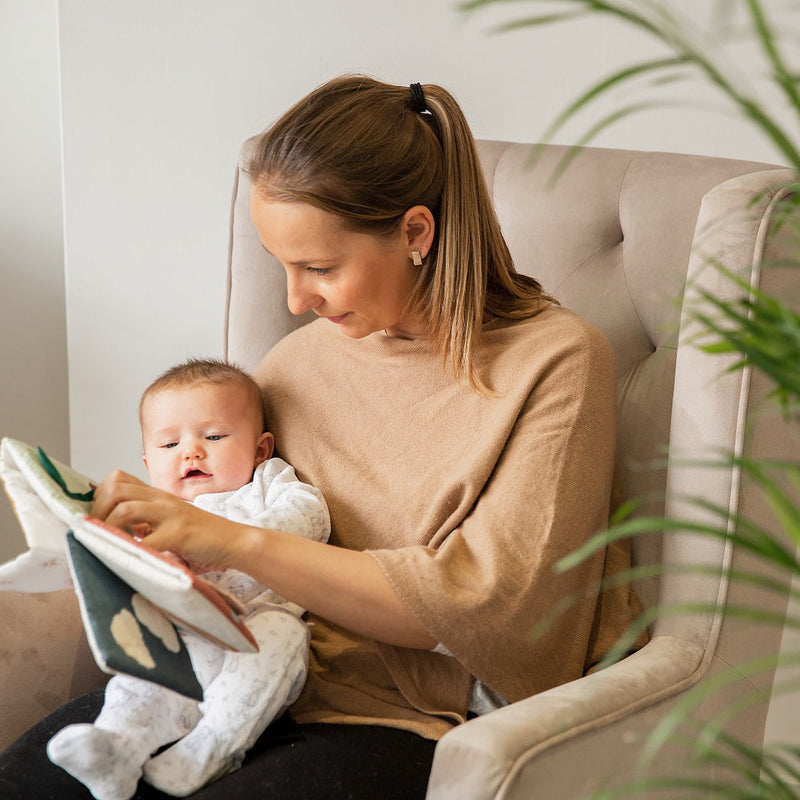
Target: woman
(460, 424)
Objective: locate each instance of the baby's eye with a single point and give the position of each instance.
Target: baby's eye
(214, 437)
(169, 445)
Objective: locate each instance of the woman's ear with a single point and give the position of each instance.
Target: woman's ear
(418, 228)
(266, 444)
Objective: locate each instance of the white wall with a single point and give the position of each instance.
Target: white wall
(33, 349)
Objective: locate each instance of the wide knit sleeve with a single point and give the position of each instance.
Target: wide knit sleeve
(466, 501)
(483, 589)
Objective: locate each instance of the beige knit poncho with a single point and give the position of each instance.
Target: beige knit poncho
(466, 501)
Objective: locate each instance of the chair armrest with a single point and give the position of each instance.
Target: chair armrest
(44, 658)
(494, 755)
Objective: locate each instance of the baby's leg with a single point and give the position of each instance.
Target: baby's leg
(251, 690)
(137, 718)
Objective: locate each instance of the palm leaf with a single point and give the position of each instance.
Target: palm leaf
(676, 32)
(760, 332)
(681, 712)
(764, 774)
(595, 91)
(766, 334)
(769, 45)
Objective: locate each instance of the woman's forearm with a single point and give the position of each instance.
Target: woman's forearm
(344, 586)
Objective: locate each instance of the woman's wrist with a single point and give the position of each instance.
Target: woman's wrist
(248, 547)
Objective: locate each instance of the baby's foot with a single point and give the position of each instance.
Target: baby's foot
(191, 763)
(107, 763)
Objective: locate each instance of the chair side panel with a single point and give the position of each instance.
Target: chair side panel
(256, 313)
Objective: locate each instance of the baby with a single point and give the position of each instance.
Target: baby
(203, 434)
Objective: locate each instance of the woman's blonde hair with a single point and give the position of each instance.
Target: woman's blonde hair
(367, 151)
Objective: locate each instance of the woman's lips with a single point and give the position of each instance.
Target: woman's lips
(338, 319)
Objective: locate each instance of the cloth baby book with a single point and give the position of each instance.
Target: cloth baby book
(131, 596)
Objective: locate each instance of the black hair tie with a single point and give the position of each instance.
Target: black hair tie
(418, 103)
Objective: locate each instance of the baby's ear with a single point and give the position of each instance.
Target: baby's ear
(266, 444)
(144, 460)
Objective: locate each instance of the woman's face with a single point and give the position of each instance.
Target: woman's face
(358, 281)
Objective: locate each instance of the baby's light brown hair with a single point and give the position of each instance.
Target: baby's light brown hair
(207, 370)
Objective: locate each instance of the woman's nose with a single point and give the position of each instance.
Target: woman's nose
(299, 297)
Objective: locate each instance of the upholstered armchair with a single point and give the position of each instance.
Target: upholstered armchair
(616, 238)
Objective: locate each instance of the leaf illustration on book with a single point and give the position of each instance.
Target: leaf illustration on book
(128, 633)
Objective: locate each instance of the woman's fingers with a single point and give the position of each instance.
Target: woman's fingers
(116, 487)
(133, 516)
(203, 539)
(165, 521)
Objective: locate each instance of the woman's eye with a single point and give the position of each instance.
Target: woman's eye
(318, 270)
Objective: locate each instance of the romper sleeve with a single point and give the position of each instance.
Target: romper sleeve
(483, 588)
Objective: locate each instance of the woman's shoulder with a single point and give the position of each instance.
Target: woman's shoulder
(555, 328)
(517, 355)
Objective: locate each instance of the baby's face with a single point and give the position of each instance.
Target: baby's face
(202, 438)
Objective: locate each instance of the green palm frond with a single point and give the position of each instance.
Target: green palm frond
(759, 331)
(713, 730)
(689, 47)
(758, 327)
(750, 773)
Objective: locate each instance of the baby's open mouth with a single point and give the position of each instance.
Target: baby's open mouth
(196, 473)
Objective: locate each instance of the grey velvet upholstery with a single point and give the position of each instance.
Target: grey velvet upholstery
(617, 238)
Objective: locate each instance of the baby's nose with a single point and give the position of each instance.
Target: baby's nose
(193, 450)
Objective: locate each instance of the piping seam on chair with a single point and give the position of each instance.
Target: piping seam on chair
(742, 677)
(622, 242)
(518, 763)
(508, 146)
(619, 243)
(628, 375)
(741, 418)
(579, 267)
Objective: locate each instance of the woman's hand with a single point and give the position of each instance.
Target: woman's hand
(345, 586)
(204, 540)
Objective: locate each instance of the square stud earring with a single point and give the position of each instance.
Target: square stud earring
(416, 258)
